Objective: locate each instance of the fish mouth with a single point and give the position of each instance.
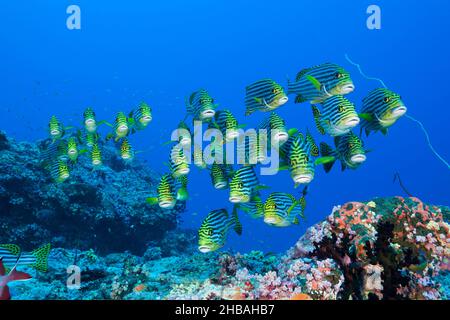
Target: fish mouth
(122, 128)
(303, 178)
(126, 157)
(232, 134)
(146, 119)
(208, 114)
(185, 141)
(205, 249)
(347, 88)
(220, 185)
(358, 158)
(55, 132)
(281, 137)
(270, 220)
(89, 122)
(65, 176)
(96, 162)
(236, 199)
(352, 122)
(399, 111)
(183, 171)
(167, 204)
(283, 100)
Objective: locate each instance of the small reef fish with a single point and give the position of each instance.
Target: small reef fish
(37, 259)
(254, 208)
(349, 150)
(166, 197)
(275, 125)
(141, 116)
(182, 192)
(297, 155)
(197, 154)
(5, 279)
(219, 176)
(121, 127)
(59, 171)
(72, 149)
(96, 156)
(126, 151)
(338, 116)
(90, 123)
(254, 148)
(226, 122)
(184, 134)
(214, 229)
(200, 105)
(264, 95)
(243, 184)
(179, 164)
(57, 150)
(318, 83)
(56, 129)
(380, 110)
(282, 209)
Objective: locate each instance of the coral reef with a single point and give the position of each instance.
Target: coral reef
(102, 209)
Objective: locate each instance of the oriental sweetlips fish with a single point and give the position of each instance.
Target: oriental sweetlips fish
(59, 171)
(96, 156)
(220, 175)
(141, 116)
(126, 151)
(200, 105)
(349, 150)
(264, 95)
(179, 164)
(338, 116)
(226, 122)
(380, 110)
(184, 134)
(167, 196)
(243, 185)
(253, 148)
(214, 229)
(121, 127)
(297, 154)
(198, 158)
(276, 126)
(90, 123)
(5, 279)
(37, 259)
(254, 208)
(282, 209)
(72, 149)
(318, 83)
(56, 129)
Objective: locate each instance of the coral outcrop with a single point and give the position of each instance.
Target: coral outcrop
(103, 209)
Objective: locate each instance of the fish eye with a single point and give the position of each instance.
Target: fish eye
(341, 108)
(276, 90)
(339, 75)
(240, 185)
(387, 99)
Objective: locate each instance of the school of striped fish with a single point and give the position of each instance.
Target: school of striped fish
(324, 87)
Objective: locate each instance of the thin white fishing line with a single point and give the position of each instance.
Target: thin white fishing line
(427, 136)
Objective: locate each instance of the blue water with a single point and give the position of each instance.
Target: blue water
(161, 51)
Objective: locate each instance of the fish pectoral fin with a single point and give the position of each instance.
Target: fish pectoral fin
(324, 160)
(316, 83)
(292, 131)
(384, 131)
(152, 200)
(366, 116)
(300, 99)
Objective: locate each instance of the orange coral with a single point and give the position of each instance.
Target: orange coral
(301, 296)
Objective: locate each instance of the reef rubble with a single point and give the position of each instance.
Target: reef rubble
(103, 209)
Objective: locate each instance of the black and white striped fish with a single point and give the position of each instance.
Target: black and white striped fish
(380, 110)
(321, 82)
(264, 95)
(214, 229)
(282, 209)
(243, 185)
(338, 116)
(276, 126)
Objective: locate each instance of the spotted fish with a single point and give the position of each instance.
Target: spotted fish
(37, 259)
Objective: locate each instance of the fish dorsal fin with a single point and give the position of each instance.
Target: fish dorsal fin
(41, 255)
(12, 248)
(301, 73)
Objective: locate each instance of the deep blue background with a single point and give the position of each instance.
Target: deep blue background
(161, 51)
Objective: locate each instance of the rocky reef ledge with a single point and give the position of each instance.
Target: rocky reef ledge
(102, 209)
(390, 248)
